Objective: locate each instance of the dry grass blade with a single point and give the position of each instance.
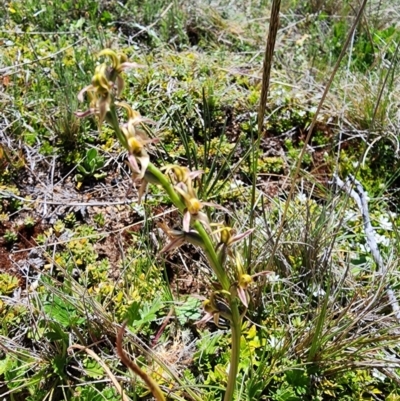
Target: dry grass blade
(104, 366)
(151, 384)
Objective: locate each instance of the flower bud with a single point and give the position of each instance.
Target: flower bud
(225, 235)
(245, 280)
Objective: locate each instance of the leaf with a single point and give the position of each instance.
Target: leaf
(16, 373)
(208, 345)
(92, 168)
(132, 313)
(95, 393)
(286, 394)
(5, 365)
(106, 17)
(100, 176)
(60, 311)
(57, 333)
(59, 363)
(138, 314)
(82, 170)
(252, 332)
(149, 314)
(189, 310)
(99, 162)
(91, 155)
(297, 378)
(93, 368)
(8, 283)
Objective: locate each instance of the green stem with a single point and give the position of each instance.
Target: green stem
(236, 329)
(208, 246)
(223, 279)
(169, 189)
(112, 119)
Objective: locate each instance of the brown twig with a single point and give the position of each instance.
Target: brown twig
(150, 383)
(268, 55)
(162, 328)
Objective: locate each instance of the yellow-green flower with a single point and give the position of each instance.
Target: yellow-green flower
(228, 237)
(243, 280)
(106, 83)
(214, 308)
(181, 174)
(193, 205)
(178, 238)
(119, 63)
(136, 140)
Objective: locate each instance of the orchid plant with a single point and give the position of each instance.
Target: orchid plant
(229, 295)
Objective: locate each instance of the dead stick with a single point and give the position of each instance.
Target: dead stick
(151, 384)
(269, 53)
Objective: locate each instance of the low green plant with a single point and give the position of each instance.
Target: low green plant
(99, 219)
(29, 222)
(58, 227)
(8, 283)
(70, 220)
(10, 237)
(90, 167)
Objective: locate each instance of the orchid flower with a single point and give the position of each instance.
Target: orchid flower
(104, 80)
(136, 140)
(244, 280)
(227, 239)
(193, 205)
(178, 238)
(214, 309)
(99, 94)
(181, 175)
(119, 63)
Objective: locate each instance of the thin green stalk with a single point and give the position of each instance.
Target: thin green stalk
(236, 329)
(208, 246)
(212, 257)
(112, 119)
(169, 189)
(223, 279)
